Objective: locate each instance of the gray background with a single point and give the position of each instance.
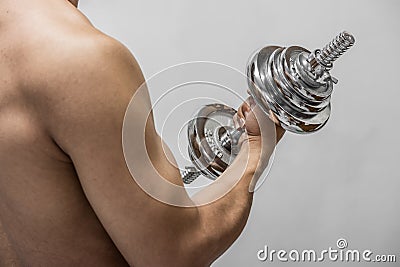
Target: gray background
(340, 182)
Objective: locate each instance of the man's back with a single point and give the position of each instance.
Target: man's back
(46, 219)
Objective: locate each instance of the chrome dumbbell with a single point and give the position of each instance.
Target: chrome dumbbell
(291, 82)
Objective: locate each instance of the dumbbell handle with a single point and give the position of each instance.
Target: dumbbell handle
(228, 140)
(231, 138)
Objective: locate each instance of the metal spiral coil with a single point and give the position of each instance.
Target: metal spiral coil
(335, 49)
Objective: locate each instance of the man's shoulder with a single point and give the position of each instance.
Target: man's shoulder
(68, 63)
(83, 72)
(91, 74)
(64, 56)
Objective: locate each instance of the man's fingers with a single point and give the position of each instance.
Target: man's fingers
(279, 132)
(246, 108)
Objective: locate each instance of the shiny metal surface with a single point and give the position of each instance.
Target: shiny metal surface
(291, 82)
(295, 84)
(207, 150)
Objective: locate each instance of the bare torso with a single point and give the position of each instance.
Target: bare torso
(45, 218)
(67, 197)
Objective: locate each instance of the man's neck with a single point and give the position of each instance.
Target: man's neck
(9, 4)
(74, 2)
(12, 11)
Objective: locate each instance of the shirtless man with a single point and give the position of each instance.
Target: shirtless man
(66, 195)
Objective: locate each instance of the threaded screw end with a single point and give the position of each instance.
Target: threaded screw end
(332, 51)
(189, 175)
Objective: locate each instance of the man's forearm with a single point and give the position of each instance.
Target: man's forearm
(221, 222)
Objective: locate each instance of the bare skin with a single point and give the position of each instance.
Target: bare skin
(66, 195)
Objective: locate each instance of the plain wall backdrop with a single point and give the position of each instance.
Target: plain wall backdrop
(342, 182)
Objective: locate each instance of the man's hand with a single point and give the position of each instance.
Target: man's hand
(262, 131)
(250, 115)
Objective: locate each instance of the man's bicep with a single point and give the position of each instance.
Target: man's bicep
(87, 124)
